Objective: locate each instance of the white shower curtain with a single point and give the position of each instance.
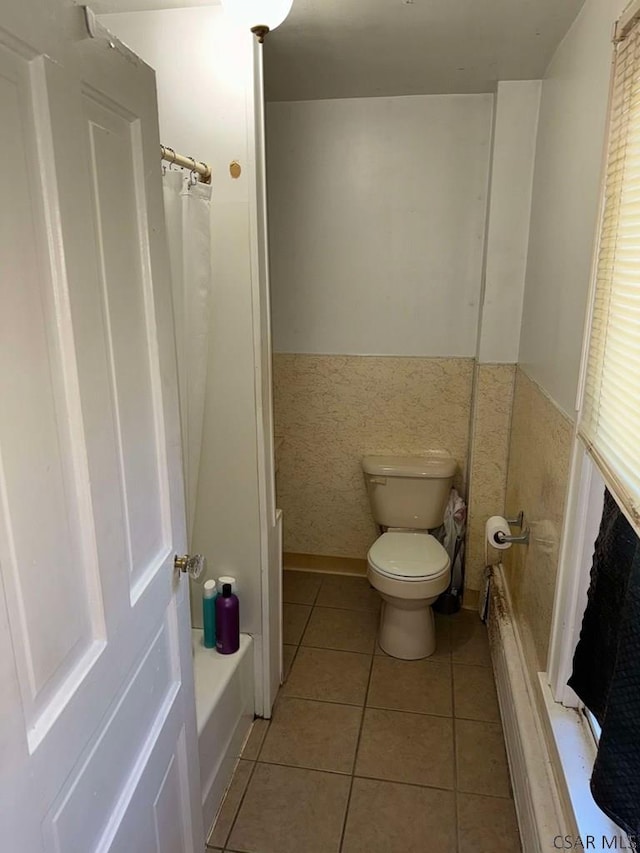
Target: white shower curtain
(187, 214)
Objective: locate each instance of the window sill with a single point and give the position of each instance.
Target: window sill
(575, 750)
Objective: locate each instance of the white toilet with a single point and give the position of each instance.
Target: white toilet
(408, 566)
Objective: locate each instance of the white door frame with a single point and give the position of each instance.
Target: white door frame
(269, 648)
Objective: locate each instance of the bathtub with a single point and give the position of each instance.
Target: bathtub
(224, 687)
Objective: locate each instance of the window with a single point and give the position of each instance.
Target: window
(610, 415)
(606, 454)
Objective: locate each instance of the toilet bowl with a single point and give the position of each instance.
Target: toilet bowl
(407, 565)
(410, 570)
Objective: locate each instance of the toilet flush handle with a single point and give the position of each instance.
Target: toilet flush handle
(378, 481)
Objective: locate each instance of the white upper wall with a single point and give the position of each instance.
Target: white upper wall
(376, 219)
(203, 73)
(566, 200)
(205, 78)
(514, 144)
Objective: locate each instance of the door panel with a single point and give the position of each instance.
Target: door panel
(114, 143)
(153, 819)
(169, 836)
(91, 797)
(97, 712)
(57, 622)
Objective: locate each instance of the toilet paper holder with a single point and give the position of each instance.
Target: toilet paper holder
(518, 521)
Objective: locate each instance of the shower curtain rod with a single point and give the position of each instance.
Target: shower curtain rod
(202, 170)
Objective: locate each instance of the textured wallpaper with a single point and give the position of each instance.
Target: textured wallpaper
(493, 400)
(537, 480)
(330, 410)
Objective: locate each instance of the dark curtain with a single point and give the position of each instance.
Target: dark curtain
(606, 667)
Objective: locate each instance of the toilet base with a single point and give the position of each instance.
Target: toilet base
(407, 628)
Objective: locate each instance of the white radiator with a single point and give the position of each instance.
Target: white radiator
(538, 805)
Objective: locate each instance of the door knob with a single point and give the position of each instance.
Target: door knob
(194, 565)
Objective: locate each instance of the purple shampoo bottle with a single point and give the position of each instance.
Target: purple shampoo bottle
(227, 621)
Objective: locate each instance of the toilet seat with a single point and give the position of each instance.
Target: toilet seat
(408, 557)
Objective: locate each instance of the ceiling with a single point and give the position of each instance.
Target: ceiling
(368, 48)
(105, 7)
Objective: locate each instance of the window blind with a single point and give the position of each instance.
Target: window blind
(610, 414)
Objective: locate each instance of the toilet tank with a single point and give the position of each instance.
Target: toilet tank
(409, 491)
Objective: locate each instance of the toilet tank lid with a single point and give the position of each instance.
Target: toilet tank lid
(435, 464)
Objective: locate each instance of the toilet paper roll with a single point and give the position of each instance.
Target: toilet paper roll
(496, 525)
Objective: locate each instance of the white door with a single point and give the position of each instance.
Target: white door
(97, 715)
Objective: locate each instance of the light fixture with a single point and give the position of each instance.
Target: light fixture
(259, 16)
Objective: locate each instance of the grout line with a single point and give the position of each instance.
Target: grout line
(306, 624)
(410, 784)
(455, 758)
(464, 719)
(338, 651)
(376, 779)
(237, 812)
(342, 702)
(330, 649)
(348, 704)
(315, 597)
(266, 731)
(347, 609)
(355, 754)
(293, 660)
(341, 773)
(440, 658)
(413, 713)
(474, 665)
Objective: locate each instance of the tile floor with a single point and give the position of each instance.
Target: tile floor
(366, 753)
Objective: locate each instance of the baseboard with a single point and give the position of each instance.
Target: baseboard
(541, 816)
(325, 563)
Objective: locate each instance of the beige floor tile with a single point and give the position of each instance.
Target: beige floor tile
(329, 675)
(443, 636)
(404, 747)
(481, 759)
(487, 825)
(288, 654)
(348, 594)
(443, 640)
(294, 620)
(469, 640)
(288, 810)
(422, 686)
(300, 587)
(385, 817)
(254, 741)
(474, 693)
(231, 804)
(344, 630)
(318, 735)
